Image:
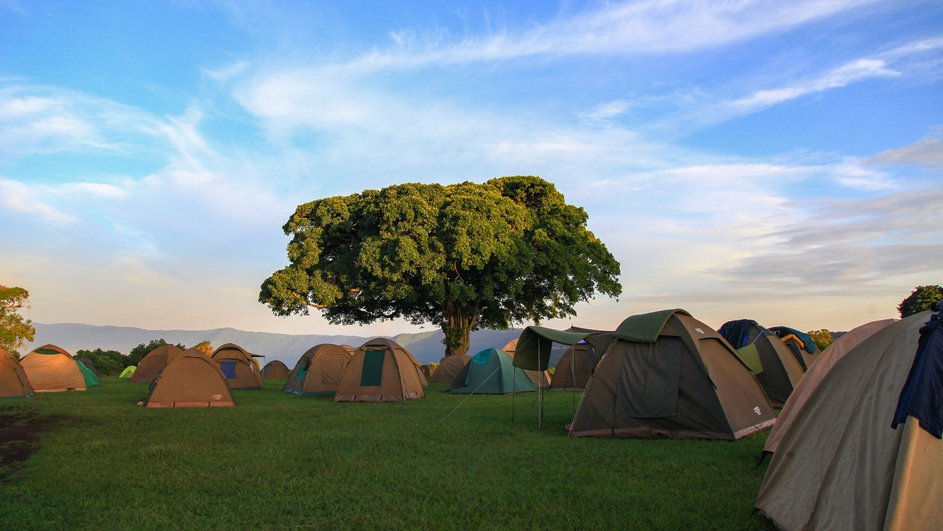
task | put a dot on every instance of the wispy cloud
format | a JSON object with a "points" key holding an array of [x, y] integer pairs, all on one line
{"points": [[623, 28], [927, 151], [26, 200]]}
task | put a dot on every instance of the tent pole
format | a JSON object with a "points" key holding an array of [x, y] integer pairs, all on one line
{"points": [[540, 401]]}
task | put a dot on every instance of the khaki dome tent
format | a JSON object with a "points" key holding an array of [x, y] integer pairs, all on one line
{"points": [[381, 371], [777, 370], [860, 456], [575, 368], [663, 374], [449, 368], [238, 366], [190, 379], [538, 378], [51, 369], [319, 370], [275, 370], [13, 379], [829, 357], [155, 361], [128, 371], [799, 343]]}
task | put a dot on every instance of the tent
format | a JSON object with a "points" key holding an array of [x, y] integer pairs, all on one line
{"points": [[190, 379], [866, 452], [90, 379], [90, 365], [51, 369], [13, 379], [829, 357], [155, 361], [538, 378], [238, 366], [663, 374], [776, 368], [449, 368], [318, 371], [575, 368], [491, 371], [128, 371], [799, 343], [381, 371], [275, 370]]}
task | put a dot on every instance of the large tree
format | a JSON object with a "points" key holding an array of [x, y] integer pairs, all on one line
{"points": [[15, 331], [462, 256], [920, 300]]}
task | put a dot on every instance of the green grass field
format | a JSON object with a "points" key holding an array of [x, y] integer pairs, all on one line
{"points": [[284, 461]]}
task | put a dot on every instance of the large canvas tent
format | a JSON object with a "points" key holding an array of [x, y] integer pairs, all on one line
{"points": [[155, 361], [13, 380], [381, 371], [663, 374], [449, 368], [275, 370], [799, 343], [575, 368], [190, 379], [864, 455], [319, 370], [776, 368], [238, 366], [51, 369], [814, 376], [491, 371]]}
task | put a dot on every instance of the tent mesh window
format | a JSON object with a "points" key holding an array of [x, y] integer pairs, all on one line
{"points": [[229, 368], [372, 373], [46, 351]]}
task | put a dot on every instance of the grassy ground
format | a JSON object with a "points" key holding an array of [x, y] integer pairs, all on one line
{"points": [[283, 461]]}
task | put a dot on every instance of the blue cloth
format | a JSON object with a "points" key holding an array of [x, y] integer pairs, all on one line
{"points": [[922, 395]]}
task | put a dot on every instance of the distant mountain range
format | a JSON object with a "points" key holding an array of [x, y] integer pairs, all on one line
{"points": [[425, 346]]}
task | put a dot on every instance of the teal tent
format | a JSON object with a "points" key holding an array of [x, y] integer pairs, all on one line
{"points": [[128, 371], [491, 371], [90, 379]]}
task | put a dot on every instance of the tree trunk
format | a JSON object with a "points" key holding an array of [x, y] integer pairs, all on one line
{"points": [[457, 328]]}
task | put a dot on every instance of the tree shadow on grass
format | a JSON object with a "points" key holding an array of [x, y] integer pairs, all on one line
{"points": [[19, 437]]}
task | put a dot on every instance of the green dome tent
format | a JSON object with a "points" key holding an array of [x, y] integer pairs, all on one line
{"points": [[90, 379], [128, 371], [491, 371]]}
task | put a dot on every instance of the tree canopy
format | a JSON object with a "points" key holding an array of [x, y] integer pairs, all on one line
{"points": [[920, 300], [108, 362], [822, 338], [15, 330], [462, 256]]}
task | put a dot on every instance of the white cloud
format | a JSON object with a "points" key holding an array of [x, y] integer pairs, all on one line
{"points": [[927, 151], [26, 200]]}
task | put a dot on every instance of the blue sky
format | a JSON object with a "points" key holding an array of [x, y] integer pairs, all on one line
{"points": [[781, 161]]}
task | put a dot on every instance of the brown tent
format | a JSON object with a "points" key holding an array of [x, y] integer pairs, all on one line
{"points": [[381, 371], [13, 379], [155, 361], [776, 368], [538, 378], [318, 371], [238, 366], [51, 369], [842, 465], [668, 374], [190, 379], [275, 370], [829, 357], [574, 369], [448, 369]]}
